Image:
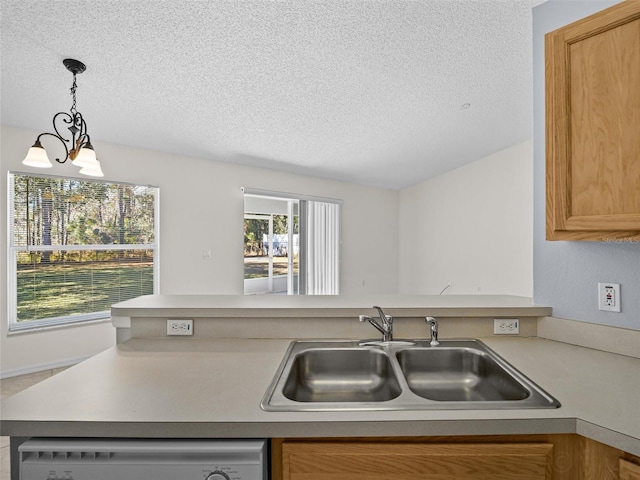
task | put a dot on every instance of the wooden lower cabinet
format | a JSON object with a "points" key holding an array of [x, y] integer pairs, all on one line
{"points": [[629, 470], [438, 461], [537, 457]]}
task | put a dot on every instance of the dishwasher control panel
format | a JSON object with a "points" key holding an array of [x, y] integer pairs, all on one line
{"points": [[116, 459]]}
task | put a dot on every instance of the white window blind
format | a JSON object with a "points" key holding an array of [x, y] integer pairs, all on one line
{"points": [[76, 247], [320, 248]]}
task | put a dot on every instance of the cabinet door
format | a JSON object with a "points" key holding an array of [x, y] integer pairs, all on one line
{"points": [[629, 471], [413, 461], [593, 127]]}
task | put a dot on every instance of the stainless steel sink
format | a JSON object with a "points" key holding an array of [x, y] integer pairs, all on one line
{"points": [[351, 375], [341, 375], [458, 375]]}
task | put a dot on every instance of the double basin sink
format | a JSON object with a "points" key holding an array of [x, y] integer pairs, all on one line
{"points": [[399, 375]]}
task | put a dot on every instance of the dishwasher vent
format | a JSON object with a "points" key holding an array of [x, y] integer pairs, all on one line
{"points": [[55, 456]]}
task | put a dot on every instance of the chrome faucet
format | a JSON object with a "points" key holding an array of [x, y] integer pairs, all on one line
{"points": [[433, 329], [385, 327]]}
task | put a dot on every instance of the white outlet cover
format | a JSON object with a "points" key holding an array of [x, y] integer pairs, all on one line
{"points": [[179, 326], [609, 297], [506, 326]]}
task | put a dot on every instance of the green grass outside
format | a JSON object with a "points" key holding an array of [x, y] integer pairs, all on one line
{"points": [[258, 267], [57, 290]]}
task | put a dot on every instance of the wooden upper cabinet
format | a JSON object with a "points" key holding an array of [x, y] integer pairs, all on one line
{"points": [[592, 75]]}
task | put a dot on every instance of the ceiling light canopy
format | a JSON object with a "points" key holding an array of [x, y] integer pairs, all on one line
{"points": [[81, 152]]}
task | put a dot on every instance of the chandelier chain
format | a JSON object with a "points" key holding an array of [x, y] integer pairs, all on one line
{"points": [[73, 93]]}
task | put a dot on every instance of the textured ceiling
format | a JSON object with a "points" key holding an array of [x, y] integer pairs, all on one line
{"points": [[366, 91]]}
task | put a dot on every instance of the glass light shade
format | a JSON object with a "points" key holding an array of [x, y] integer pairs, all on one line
{"points": [[37, 157], [86, 157], [92, 170]]}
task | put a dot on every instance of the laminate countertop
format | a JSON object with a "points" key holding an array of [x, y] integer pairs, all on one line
{"points": [[325, 306], [176, 387]]}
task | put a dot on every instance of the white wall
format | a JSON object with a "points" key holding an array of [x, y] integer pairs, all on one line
{"points": [[471, 227], [201, 207]]}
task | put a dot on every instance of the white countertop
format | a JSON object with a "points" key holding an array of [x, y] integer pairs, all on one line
{"points": [[175, 387], [288, 306]]}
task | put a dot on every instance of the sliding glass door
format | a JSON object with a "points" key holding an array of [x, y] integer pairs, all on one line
{"points": [[271, 250], [291, 244]]}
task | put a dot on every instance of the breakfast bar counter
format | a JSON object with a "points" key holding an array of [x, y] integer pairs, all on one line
{"points": [[212, 388]]}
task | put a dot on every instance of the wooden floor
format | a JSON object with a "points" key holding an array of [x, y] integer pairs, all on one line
{"points": [[11, 386]]}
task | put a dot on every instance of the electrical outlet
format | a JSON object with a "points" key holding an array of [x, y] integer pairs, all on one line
{"points": [[179, 326], [506, 326], [609, 297]]}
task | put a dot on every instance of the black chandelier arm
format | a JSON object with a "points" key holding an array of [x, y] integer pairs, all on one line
{"points": [[62, 140], [78, 129], [75, 121]]}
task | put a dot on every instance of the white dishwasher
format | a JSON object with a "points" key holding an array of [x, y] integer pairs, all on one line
{"points": [[131, 459]]}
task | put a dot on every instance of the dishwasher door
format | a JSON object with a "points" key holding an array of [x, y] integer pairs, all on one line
{"points": [[121, 459]]}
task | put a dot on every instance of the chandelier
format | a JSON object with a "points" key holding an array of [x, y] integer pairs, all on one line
{"points": [[78, 148]]}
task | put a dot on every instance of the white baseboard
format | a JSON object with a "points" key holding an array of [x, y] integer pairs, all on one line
{"points": [[622, 341], [67, 362]]}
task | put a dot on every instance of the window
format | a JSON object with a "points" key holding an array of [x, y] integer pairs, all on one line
{"points": [[291, 244], [76, 247]]}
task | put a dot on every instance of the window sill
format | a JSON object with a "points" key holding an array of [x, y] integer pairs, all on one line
{"points": [[39, 328]]}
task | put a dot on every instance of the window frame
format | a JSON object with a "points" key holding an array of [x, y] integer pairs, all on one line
{"points": [[12, 251]]}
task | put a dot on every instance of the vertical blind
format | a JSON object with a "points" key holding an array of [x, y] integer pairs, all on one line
{"points": [[320, 248], [77, 247]]}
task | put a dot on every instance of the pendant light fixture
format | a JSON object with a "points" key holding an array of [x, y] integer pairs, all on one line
{"points": [[79, 151]]}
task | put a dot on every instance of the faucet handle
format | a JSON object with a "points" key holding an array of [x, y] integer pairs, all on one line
{"points": [[386, 319]]}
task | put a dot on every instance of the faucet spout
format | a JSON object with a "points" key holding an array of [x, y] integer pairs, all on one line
{"points": [[372, 321]]}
